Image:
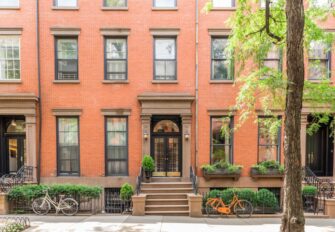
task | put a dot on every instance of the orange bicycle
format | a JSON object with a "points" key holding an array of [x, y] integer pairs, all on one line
{"points": [[242, 208]]}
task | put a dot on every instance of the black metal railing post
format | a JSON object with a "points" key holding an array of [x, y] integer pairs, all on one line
{"points": [[194, 180]]}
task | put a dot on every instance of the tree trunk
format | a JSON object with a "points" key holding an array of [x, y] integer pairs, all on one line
{"points": [[293, 218]]}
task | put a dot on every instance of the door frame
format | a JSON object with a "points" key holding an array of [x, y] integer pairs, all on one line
{"points": [[176, 119]]}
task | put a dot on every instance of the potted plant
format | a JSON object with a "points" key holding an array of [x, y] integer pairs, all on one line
{"points": [[126, 192], [267, 169], [309, 193], [148, 165], [221, 169]]}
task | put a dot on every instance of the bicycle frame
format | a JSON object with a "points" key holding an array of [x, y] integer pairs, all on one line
{"points": [[47, 198], [218, 205]]}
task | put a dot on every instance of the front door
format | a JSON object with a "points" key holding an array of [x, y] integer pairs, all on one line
{"points": [[320, 151], [166, 147], [15, 152]]}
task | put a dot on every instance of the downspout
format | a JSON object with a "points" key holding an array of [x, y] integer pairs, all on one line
{"points": [[196, 84], [39, 93]]}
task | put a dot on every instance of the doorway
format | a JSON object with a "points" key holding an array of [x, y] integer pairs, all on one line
{"points": [[320, 151], [166, 146]]}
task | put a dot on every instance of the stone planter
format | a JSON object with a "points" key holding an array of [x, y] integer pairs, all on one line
{"points": [[221, 174], [272, 173]]}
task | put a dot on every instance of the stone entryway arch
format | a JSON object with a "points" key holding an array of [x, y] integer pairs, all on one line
{"points": [[153, 104]]}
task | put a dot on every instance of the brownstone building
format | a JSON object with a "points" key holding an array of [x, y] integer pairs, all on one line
{"points": [[88, 87]]}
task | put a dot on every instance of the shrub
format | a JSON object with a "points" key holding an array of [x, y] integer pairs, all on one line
{"points": [[265, 198], [247, 194], [29, 192], [263, 167], [126, 192], [230, 168], [13, 227], [214, 193], [148, 163], [309, 190], [208, 168]]}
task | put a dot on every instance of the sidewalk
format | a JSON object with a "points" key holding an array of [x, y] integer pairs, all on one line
{"points": [[166, 224]]}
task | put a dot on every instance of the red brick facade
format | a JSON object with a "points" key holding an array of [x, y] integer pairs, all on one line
{"points": [[91, 94]]}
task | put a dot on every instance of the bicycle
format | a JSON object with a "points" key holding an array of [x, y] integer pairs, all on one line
{"points": [[42, 205], [242, 208]]}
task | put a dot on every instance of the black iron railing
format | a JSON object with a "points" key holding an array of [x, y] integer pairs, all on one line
{"points": [[139, 181], [194, 180], [23, 175]]}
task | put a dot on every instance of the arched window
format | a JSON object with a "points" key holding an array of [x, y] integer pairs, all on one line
{"points": [[166, 126], [16, 126]]}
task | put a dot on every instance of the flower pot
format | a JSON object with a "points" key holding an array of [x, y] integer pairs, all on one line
{"points": [[147, 176]]}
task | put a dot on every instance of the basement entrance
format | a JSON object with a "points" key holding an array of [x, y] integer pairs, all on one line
{"points": [[166, 146]]}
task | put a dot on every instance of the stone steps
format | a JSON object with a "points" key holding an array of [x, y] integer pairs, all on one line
{"points": [[167, 198]]}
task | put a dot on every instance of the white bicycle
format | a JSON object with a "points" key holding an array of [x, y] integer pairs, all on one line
{"points": [[42, 205]]}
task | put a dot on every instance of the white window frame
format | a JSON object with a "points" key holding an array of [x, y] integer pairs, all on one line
{"points": [[154, 5], [19, 38], [16, 5], [56, 5]]}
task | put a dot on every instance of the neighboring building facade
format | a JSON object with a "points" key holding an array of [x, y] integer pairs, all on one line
{"points": [[120, 79]]}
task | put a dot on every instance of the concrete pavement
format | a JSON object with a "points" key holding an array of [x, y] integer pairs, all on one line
{"points": [[117, 223]]}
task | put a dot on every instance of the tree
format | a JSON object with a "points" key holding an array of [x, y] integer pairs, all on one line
{"points": [[285, 26]]}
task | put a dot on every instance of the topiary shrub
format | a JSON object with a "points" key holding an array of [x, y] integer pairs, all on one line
{"points": [[265, 198], [126, 192], [247, 194], [148, 163]]}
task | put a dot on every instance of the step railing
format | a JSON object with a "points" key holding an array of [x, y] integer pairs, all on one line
{"points": [[23, 175], [139, 181], [194, 180]]}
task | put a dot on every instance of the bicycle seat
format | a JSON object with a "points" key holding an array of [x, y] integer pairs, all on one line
{"points": [[61, 195]]}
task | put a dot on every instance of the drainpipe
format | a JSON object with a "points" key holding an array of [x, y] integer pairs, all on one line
{"points": [[39, 92], [196, 84]]}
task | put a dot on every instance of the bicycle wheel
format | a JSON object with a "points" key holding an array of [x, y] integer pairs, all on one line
{"points": [[69, 206], [210, 211], [243, 209], [40, 206]]}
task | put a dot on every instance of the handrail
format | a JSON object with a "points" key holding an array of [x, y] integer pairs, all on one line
{"points": [[323, 185], [194, 180], [23, 175], [139, 181]]}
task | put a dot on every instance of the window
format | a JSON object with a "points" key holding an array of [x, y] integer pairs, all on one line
{"points": [[9, 58], [222, 63], [223, 3], [116, 59], [221, 139], [318, 61], [273, 60], [165, 3], [65, 3], [269, 138], [9, 3], [321, 3], [66, 59], [116, 146], [115, 3], [68, 145], [272, 2], [165, 59]]}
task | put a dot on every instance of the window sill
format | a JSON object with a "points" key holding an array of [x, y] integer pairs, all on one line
{"points": [[64, 8], [320, 81], [164, 8], [115, 82], [10, 81], [223, 9], [114, 8], [164, 82], [10, 8], [221, 81], [66, 82]]}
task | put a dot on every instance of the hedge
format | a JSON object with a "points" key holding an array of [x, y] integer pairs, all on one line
{"points": [[29, 192]]}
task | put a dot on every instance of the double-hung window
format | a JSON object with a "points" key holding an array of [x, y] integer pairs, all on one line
{"points": [[223, 3], [115, 3], [165, 64], [116, 58], [318, 61], [222, 62], [9, 3], [68, 145], [269, 138], [66, 3], [221, 139], [116, 146], [165, 3], [66, 58], [9, 58], [272, 61]]}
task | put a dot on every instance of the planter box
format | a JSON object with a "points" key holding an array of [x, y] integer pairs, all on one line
{"points": [[272, 173], [220, 174]]}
